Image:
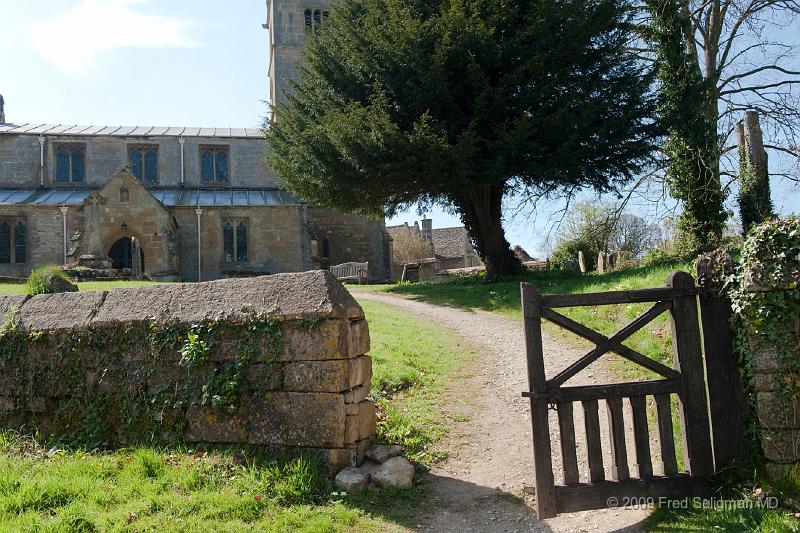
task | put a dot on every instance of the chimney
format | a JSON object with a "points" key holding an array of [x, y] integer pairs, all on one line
{"points": [[427, 229], [2, 110]]}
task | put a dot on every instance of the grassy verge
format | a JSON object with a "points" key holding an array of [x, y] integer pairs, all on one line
{"points": [[19, 288], [183, 489]]}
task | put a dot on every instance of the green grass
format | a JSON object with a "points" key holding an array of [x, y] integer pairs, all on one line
{"points": [[19, 288], [413, 362]]}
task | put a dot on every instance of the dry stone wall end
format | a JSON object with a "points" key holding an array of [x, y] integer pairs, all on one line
{"points": [[295, 345]]}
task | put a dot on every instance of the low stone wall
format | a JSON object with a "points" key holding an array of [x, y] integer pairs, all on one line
{"points": [[276, 362]]}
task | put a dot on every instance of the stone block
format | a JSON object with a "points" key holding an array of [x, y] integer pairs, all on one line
{"points": [[781, 445], [357, 394], [766, 360], [62, 311], [297, 419], [11, 302], [317, 376], [265, 377], [351, 428], [360, 371], [775, 412], [205, 424], [765, 382], [359, 338], [367, 420], [314, 343]]}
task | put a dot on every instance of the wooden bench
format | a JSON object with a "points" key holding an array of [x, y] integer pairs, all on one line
{"points": [[351, 272]]}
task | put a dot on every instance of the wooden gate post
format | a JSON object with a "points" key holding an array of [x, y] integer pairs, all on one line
{"points": [[540, 424], [727, 401], [689, 361]]}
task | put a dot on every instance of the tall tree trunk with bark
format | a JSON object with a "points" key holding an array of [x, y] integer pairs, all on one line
{"points": [[481, 212]]}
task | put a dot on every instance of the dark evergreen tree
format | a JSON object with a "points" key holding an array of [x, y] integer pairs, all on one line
{"points": [[461, 104]]}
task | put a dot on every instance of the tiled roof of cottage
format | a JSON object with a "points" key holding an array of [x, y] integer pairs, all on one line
{"points": [[449, 242], [35, 128]]}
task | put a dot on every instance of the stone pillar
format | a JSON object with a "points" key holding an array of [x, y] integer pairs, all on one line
{"points": [[136, 259]]}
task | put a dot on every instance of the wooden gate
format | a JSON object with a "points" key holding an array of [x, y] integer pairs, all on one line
{"points": [[686, 380]]}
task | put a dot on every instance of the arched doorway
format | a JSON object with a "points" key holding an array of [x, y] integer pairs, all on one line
{"points": [[120, 254]]}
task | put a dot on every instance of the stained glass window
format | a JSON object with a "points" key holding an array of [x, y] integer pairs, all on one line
{"points": [[70, 163], [144, 163], [234, 241], [5, 243], [241, 242], [62, 165], [20, 242], [214, 164], [227, 242]]}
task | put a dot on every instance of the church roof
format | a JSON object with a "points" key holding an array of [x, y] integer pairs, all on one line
{"points": [[187, 197], [33, 128]]}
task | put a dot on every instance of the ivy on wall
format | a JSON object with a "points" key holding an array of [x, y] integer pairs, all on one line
{"points": [[765, 296], [132, 383]]}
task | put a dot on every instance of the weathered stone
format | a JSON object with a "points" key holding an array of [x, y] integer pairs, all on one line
{"points": [[765, 382], [360, 370], [359, 338], [775, 412], [358, 450], [352, 481], [12, 302], [380, 453], [781, 445], [367, 420], [766, 360], [395, 472], [206, 424], [582, 263], [298, 419], [325, 340], [265, 376], [357, 394], [601, 263], [66, 310], [59, 283], [317, 376]]}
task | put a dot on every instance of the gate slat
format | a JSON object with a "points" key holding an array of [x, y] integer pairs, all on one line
{"points": [[641, 436], [569, 456], [665, 435], [594, 447], [616, 432], [537, 381]]}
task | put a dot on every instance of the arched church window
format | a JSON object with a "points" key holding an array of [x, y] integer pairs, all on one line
{"points": [[214, 164], [227, 242], [5, 242], [70, 163], [144, 162], [20, 243], [317, 21], [309, 24]]}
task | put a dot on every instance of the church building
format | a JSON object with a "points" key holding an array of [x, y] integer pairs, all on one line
{"points": [[196, 203]]}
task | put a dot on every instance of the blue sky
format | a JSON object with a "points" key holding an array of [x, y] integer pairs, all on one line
{"points": [[172, 63]]}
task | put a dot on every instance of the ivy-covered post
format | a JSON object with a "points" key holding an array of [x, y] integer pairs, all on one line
{"points": [[726, 397], [766, 301]]}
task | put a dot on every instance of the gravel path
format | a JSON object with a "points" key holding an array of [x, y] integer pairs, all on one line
{"points": [[480, 486]]}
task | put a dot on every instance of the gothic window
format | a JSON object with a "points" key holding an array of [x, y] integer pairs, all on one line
{"points": [[326, 248], [234, 241], [13, 241], [314, 20], [144, 162], [70, 163], [214, 166]]}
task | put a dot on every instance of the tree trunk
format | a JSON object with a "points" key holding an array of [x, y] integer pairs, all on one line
{"points": [[482, 214]]}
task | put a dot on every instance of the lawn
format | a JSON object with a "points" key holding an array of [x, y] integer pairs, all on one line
{"points": [[212, 489], [19, 288]]}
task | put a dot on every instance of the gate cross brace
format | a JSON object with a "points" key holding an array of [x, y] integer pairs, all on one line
{"points": [[622, 350], [609, 343]]}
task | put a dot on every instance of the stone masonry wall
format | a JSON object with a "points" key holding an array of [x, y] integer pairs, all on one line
{"points": [[277, 362]]}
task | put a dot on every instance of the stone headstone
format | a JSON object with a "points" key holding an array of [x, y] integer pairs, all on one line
{"points": [[582, 262], [136, 259], [601, 262]]}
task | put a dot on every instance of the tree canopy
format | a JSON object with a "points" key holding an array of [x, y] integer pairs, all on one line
{"points": [[461, 104]]}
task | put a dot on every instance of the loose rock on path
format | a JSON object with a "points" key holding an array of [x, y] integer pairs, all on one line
{"points": [[480, 486]]}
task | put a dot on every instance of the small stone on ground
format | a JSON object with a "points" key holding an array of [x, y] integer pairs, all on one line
{"points": [[382, 453], [352, 481], [395, 472]]}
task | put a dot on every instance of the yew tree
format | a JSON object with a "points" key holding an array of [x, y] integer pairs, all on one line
{"points": [[463, 104]]}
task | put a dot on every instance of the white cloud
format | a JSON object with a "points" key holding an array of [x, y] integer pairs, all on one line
{"points": [[76, 40]]}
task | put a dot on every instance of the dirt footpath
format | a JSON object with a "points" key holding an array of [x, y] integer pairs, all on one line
{"points": [[480, 486]]}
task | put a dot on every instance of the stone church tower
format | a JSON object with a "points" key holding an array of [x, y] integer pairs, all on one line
{"points": [[289, 23]]}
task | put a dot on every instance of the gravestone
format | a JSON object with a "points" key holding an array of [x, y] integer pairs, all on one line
{"points": [[581, 262], [601, 262]]}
